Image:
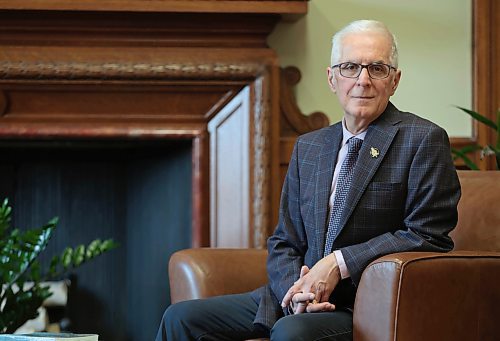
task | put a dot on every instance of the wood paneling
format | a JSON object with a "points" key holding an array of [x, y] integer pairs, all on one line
{"points": [[230, 174], [84, 102]]}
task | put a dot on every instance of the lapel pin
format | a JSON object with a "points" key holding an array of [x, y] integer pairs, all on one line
{"points": [[374, 152]]}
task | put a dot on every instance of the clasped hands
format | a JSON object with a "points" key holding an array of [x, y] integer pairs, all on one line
{"points": [[310, 293]]}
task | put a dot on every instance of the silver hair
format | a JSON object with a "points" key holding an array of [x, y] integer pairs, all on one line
{"points": [[360, 26]]}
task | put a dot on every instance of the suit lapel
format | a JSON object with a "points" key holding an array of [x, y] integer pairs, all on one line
{"points": [[324, 175], [379, 136]]}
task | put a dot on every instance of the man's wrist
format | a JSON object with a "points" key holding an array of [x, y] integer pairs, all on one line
{"points": [[344, 272]]}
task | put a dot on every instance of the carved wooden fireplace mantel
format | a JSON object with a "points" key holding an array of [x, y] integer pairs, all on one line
{"points": [[135, 70]]}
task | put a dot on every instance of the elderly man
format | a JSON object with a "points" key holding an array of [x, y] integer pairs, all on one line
{"points": [[380, 181]]}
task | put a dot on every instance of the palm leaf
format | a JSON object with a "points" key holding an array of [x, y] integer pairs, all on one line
{"points": [[470, 149], [480, 118], [468, 162]]}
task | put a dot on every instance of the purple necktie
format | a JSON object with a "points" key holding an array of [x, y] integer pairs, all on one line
{"points": [[343, 184]]}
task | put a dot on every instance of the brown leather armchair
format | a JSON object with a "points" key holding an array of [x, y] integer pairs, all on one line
{"points": [[403, 296]]}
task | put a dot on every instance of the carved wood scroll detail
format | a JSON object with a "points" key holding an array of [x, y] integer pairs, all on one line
{"points": [[292, 121], [111, 70], [300, 123]]}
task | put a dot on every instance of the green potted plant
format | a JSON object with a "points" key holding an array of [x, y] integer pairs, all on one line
{"points": [[21, 275], [486, 151]]}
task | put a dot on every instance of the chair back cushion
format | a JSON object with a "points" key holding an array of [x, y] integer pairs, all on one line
{"points": [[206, 272], [478, 227]]}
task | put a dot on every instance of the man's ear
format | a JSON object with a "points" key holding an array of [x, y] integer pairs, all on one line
{"points": [[395, 81], [331, 81]]}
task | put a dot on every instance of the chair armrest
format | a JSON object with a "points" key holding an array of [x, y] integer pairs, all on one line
{"points": [[205, 272], [423, 296]]}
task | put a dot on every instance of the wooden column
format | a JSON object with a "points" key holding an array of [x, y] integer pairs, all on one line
{"points": [[486, 77]]}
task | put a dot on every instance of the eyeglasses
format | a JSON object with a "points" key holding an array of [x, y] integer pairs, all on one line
{"points": [[375, 70]]}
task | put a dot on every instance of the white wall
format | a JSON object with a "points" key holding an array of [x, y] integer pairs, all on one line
{"points": [[435, 39]]}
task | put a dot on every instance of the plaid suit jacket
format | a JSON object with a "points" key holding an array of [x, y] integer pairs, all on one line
{"points": [[404, 199]]}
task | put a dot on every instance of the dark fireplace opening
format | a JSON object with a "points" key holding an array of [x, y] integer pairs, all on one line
{"points": [[137, 192]]}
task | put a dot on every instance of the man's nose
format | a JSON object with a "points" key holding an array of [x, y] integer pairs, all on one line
{"points": [[364, 77]]}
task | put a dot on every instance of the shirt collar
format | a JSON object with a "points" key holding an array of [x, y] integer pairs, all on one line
{"points": [[346, 134]]}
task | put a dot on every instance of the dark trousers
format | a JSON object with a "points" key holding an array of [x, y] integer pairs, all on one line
{"points": [[231, 318]]}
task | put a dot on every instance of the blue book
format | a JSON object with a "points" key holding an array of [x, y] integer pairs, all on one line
{"points": [[49, 337]]}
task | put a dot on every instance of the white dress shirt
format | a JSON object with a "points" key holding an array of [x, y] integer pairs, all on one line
{"points": [[344, 272]]}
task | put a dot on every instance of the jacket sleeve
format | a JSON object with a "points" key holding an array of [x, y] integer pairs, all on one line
{"points": [[430, 210], [288, 245]]}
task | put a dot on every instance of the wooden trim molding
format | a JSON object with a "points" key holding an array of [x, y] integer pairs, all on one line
{"points": [[200, 183], [486, 77], [284, 7], [68, 70], [262, 175]]}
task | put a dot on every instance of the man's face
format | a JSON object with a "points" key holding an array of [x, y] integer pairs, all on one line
{"points": [[364, 98]]}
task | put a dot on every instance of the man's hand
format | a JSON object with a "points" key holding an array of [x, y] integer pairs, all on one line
{"points": [[300, 300], [311, 291]]}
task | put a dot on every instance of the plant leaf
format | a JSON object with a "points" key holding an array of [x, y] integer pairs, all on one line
{"points": [[477, 116], [470, 149], [18, 265], [108, 244], [78, 255], [66, 257], [468, 162], [5, 211], [21, 250], [22, 305], [54, 262]]}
